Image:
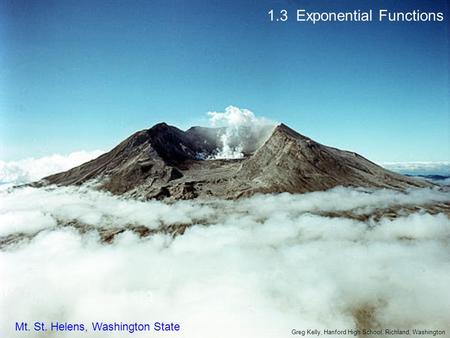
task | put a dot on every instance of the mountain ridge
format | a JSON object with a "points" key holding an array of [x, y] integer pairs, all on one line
{"points": [[164, 162]]}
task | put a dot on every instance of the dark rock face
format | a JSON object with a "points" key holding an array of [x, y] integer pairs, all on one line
{"points": [[165, 162]]}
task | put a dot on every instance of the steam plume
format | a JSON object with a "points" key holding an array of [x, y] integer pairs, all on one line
{"points": [[243, 134]]}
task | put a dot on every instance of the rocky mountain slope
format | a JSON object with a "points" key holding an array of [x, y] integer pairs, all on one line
{"points": [[164, 162]]}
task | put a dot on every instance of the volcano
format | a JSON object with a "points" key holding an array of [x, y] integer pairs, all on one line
{"points": [[164, 162]]}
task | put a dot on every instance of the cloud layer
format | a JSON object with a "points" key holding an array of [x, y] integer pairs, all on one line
{"points": [[255, 267], [260, 266], [32, 169]]}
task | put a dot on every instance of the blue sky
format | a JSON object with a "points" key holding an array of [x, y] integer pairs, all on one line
{"points": [[86, 74]]}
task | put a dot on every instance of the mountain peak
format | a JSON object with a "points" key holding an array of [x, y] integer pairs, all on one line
{"points": [[161, 126], [285, 130]]}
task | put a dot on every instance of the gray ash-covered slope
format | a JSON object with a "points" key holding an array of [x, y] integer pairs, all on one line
{"points": [[166, 162]]}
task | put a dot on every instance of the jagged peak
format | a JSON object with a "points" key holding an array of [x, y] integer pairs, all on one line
{"points": [[163, 127], [160, 125], [283, 129]]}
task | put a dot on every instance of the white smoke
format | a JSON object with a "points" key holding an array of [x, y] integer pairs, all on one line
{"points": [[260, 266], [33, 169], [243, 133]]}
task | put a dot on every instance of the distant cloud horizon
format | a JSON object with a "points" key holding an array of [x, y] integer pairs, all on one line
{"points": [[32, 169], [419, 167]]}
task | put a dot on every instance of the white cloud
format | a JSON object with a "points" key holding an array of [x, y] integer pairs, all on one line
{"points": [[32, 169], [255, 267], [244, 132], [89, 207]]}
